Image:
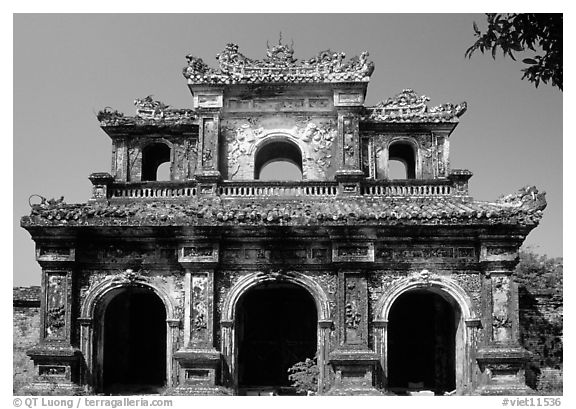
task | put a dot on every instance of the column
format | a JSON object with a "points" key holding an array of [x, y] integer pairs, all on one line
{"points": [[501, 357], [199, 361], [208, 103], [348, 103], [354, 363], [56, 361]]}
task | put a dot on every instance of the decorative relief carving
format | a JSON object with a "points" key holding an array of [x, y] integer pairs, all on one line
{"points": [[354, 307], [279, 65], [320, 137], [197, 251], [52, 370], [276, 255], [349, 143], [499, 251], [52, 251], [129, 276], [352, 251], [423, 276], [55, 327], [407, 106], [199, 307], [319, 102], [501, 321], [209, 136], [425, 253], [353, 316], [317, 137]]}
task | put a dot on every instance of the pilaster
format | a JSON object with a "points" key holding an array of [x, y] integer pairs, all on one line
{"points": [[199, 362], [56, 361], [208, 104], [354, 363], [502, 359]]}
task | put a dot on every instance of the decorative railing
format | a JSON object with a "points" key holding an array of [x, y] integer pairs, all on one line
{"points": [[407, 188], [271, 189], [153, 190], [284, 189]]}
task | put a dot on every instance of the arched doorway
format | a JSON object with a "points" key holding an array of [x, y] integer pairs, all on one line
{"points": [[422, 342], [276, 327], [278, 159], [131, 350], [156, 162]]}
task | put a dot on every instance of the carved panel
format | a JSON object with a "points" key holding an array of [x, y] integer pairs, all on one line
{"points": [[355, 310], [276, 255], [208, 101], [499, 251], [409, 254], [353, 252], [55, 254], [349, 141], [56, 304], [199, 317], [210, 135], [348, 98], [57, 371], [501, 320], [199, 253], [319, 102]]}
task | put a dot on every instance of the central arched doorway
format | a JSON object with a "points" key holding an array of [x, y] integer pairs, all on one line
{"points": [[132, 342], [422, 341], [276, 327]]}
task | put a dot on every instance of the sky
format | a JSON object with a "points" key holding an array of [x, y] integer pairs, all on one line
{"points": [[67, 67]]}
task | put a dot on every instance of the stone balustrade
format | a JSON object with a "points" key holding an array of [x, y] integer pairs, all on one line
{"points": [[284, 189], [153, 190], [263, 189], [401, 189]]}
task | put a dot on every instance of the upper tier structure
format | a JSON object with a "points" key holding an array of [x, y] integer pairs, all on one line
{"points": [[308, 114]]}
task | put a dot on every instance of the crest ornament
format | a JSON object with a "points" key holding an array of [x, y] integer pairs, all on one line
{"points": [[424, 277]]}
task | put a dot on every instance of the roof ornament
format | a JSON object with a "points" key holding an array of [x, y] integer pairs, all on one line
{"points": [[279, 65], [280, 54], [407, 106], [527, 197], [148, 108]]}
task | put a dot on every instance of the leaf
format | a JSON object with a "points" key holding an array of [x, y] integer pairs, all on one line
{"points": [[475, 28], [529, 61]]}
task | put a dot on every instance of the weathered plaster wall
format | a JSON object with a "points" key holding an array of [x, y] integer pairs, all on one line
{"points": [[541, 332], [315, 136], [26, 327]]}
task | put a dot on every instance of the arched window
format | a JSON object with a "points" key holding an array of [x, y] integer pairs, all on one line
{"points": [[278, 160], [153, 156], [401, 161]]}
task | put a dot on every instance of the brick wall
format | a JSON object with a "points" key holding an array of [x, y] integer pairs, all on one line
{"points": [[26, 324], [541, 332]]}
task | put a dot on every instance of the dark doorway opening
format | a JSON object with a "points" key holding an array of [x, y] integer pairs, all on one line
{"points": [[154, 156], [134, 343], [277, 327], [401, 161], [422, 343]]}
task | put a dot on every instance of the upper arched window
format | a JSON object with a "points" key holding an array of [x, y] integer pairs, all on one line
{"points": [[278, 160], [154, 156], [401, 161]]}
